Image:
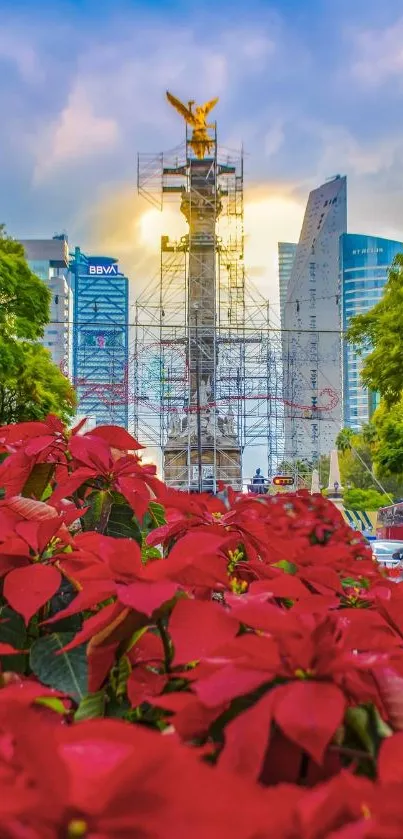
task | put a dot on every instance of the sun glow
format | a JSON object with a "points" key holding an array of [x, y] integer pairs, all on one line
{"points": [[153, 224], [268, 221]]}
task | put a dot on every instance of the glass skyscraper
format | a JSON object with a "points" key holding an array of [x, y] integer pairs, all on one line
{"points": [[100, 338], [364, 265]]}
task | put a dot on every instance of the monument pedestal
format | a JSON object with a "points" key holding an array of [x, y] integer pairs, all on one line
{"points": [[219, 453]]}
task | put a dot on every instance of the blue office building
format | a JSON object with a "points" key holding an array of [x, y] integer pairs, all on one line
{"points": [[100, 338], [364, 266]]}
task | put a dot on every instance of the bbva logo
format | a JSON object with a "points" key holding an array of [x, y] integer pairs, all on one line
{"points": [[103, 269]]}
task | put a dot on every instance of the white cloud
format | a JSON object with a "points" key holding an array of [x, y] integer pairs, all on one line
{"points": [[258, 47], [15, 48], [77, 133], [342, 152], [378, 55], [274, 138], [118, 88]]}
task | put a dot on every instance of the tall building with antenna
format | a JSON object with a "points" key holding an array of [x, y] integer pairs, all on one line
{"points": [[311, 339]]}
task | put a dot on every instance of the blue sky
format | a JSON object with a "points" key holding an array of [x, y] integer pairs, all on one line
{"points": [[311, 87]]}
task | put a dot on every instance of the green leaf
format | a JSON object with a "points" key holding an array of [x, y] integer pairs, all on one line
{"points": [[358, 720], [120, 675], [92, 705], [287, 566], [122, 523], [381, 727], [154, 517], [148, 551], [13, 631], [64, 671], [94, 503], [136, 635], [157, 512], [38, 481], [348, 582], [52, 702]]}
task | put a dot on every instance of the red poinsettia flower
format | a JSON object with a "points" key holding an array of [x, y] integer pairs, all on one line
{"points": [[110, 779], [36, 535], [319, 674], [94, 459]]}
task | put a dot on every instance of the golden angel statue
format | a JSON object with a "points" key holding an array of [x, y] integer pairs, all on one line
{"points": [[200, 142]]}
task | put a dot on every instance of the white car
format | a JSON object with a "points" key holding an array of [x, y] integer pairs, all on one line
{"points": [[388, 553]]}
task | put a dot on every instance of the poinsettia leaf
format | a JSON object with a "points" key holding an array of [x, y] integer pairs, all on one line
{"points": [[148, 552], [390, 685], [52, 702], [117, 438], [198, 627], [27, 589], [94, 506], [53, 666], [288, 567], [143, 684], [38, 480], [7, 649], [146, 597], [13, 632], [309, 713], [92, 705], [154, 517], [122, 523], [359, 720], [157, 511], [30, 508], [121, 674], [247, 739], [390, 765]]}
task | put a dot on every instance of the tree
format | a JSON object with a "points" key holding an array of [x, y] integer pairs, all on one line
{"points": [[389, 447], [381, 331], [359, 464], [364, 499], [344, 439], [31, 385], [304, 469]]}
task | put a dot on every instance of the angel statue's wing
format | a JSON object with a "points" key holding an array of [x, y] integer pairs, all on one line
{"points": [[183, 110], [208, 106]]}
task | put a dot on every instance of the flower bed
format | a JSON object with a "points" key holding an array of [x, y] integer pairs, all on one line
{"points": [[175, 666]]}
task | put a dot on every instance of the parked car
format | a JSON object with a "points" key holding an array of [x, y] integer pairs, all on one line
{"points": [[388, 553]]}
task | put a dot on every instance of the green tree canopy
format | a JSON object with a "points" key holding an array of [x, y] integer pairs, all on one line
{"points": [[388, 450], [31, 385], [360, 466], [364, 499], [381, 331]]}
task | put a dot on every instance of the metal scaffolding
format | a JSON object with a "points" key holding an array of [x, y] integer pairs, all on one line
{"points": [[183, 334]]}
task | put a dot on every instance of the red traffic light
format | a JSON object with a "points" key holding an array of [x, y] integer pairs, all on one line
{"points": [[283, 481]]}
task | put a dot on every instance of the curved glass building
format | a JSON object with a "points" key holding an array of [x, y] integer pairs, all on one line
{"points": [[364, 266]]}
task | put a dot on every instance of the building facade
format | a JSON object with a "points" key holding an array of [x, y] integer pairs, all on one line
{"points": [[311, 337], [286, 257], [49, 260], [100, 338], [364, 266]]}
